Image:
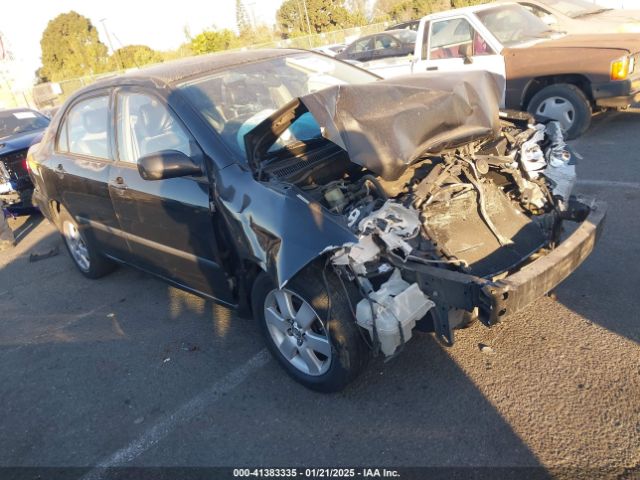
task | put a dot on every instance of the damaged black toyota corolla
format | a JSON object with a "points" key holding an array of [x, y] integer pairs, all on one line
{"points": [[343, 210]]}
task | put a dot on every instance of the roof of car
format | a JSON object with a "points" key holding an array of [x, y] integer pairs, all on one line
{"points": [[397, 31], [177, 71]]}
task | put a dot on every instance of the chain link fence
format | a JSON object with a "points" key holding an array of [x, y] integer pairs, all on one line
{"points": [[50, 95]]}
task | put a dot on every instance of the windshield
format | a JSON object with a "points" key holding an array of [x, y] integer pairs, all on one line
{"points": [[14, 122], [575, 8], [513, 24], [235, 101]]}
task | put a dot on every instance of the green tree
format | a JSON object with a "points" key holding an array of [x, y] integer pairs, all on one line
{"points": [[402, 10], [323, 15], [257, 35], [71, 48], [411, 9], [133, 56], [242, 19], [213, 41], [466, 3]]}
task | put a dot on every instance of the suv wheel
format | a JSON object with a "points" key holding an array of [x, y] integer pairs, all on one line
{"points": [[565, 103], [85, 256], [312, 334]]}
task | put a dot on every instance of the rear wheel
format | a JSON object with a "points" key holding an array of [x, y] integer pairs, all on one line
{"points": [[312, 334], [565, 103], [85, 256]]}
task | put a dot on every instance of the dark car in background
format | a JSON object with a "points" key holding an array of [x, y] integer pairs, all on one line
{"points": [[410, 25], [20, 128], [262, 179], [391, 43]]}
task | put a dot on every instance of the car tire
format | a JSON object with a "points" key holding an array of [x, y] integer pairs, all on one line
{"points": [[89, 261], [565, 103], [324, 353]]}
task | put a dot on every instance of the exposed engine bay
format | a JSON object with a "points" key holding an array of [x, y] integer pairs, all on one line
{"points": [[485, 209], [448, 198]]}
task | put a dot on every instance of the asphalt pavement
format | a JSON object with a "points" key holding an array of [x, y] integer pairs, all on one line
{"points": [[128, 371]]}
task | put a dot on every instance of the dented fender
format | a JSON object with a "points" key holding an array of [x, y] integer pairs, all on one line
{"points": [[275, 226]]}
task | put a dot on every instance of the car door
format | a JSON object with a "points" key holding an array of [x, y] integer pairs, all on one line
{"points": [[79, 170], [385, 46], [361, 50], [168, 223], [445, 43]]}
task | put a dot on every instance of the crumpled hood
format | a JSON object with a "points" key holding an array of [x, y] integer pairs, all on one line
{"points": [[386, 125]]}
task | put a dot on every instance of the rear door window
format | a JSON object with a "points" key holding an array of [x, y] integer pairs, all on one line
{"points": [[363, 45], [85, 130]]}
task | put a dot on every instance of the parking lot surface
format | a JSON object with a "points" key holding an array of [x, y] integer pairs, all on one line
{"points": [[128, 371]]}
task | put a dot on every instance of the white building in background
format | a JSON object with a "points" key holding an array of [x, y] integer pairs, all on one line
{"points": [[15, 82]]}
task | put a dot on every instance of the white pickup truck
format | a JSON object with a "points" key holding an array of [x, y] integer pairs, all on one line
{"points": [[548, 73]]}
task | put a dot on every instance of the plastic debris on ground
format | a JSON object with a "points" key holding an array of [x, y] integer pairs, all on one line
{"points": [[35, 257]]}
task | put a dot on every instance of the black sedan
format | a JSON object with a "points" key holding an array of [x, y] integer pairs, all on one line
{"points": [[20, 128], [391, 43], [342, 210]]}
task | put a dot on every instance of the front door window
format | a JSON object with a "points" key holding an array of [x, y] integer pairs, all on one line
{"points": [[147, 126]]}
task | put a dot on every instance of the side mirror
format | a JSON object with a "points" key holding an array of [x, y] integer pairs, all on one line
{"points": [[466, 52], [167, 164]]}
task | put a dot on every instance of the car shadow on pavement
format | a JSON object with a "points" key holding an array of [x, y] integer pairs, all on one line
{"points": [[602, 288], [90, 366]]}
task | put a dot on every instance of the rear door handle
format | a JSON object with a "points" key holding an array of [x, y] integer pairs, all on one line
{"points": [[118, 183], [432, 69]]}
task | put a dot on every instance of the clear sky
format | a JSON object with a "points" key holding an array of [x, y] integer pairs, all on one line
{"points": [[159, 24]]}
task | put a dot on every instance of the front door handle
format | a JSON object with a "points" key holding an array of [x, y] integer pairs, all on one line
{"points": [[432, 69], [118, 183]]}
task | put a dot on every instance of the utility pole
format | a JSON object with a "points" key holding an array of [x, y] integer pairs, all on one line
{"points": [[113, 51], [306, 14]]}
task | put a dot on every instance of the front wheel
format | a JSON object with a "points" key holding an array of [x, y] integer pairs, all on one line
{"points": [[311, 332], [565, 103], [85, 256]]}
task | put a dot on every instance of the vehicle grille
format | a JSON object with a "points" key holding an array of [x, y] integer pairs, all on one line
{"points": [[14, 164]]}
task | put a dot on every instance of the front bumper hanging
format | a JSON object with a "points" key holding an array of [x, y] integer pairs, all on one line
{"points": [[497, 299]]}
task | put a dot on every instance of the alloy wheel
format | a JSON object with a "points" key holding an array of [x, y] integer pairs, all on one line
{"points": [[298, 332], [77, 246]]}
